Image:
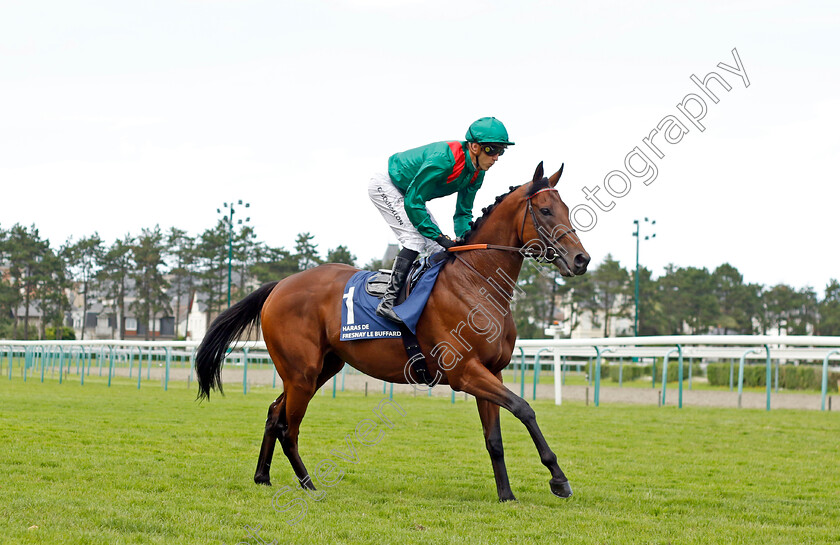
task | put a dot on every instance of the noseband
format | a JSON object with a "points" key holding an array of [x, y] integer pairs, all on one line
{"points": [[550, 253], [546, 240]]}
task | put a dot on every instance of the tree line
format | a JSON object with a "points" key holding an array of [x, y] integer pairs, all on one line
{"points": [[142, 273], [145, 273], [683, 300]]}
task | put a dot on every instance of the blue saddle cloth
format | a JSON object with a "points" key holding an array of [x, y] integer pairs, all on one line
{"points": [[358, 309]]}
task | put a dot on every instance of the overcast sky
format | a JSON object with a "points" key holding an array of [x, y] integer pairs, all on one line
{"points": [[116, 116]]}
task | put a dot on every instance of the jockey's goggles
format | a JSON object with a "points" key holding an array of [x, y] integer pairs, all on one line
{"points": [[493, 149]]}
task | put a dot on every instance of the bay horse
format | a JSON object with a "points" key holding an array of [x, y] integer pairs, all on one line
{"points": [[466, 330]]}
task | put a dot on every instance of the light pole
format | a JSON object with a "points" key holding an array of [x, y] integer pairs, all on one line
{"points": [[227, 219], [647, 237]]}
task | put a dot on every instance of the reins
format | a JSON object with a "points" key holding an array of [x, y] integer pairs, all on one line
{"points": [[528, 253], [547, 244]]}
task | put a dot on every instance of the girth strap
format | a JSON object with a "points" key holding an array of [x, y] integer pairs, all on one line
{"points": [[416, 356]]}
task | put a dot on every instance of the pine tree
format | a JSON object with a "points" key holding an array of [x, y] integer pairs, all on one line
{"points": [[83, 261]]}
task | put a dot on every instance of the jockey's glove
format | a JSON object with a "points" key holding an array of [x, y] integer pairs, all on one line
{"points": [[445, 241]]}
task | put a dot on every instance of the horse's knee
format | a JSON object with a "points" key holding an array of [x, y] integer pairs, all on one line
{"points": [[494, 447]]}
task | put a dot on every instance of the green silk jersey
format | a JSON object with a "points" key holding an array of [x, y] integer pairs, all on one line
{"points": [[432, 171]]}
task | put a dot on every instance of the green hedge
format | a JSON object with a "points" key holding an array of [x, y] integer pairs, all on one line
{"points": [[635, 372], [791, 377], [630, 372]]}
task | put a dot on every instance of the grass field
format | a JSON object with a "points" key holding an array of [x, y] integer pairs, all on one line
{"points": [[96, 465]]}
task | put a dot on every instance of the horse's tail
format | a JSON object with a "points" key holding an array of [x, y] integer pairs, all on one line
{"points": [[223, 331]]}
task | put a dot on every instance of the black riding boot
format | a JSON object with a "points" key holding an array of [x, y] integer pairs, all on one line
{"points": [[399, 274]]}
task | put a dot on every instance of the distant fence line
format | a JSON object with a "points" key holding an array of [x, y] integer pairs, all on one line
{"points": [[799, 348], [38, 356]]}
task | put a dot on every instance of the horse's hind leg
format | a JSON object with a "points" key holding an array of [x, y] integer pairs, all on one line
{"points": [[298, 396], [275, 424]]}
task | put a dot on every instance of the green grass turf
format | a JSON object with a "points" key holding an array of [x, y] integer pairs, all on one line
{"points": [[96, 465]]}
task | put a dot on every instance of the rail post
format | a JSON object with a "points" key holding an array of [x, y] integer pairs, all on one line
{"points": [[554, 331], [599, 352], [82, 359], [665, 372], [537, 370], [741, 372], [110, 365], [769, 375], [565, 367], [43, 366], [139, 365], [149, 367], [168, 364], [825, 377], [60, 361], [680, 375]]}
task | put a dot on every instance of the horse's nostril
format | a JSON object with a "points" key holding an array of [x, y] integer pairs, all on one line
{"points": [[581, 261]]}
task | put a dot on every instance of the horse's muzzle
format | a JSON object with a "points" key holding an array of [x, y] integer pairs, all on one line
{"points": [[580, 262]]}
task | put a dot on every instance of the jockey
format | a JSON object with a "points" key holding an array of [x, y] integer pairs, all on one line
{"points": [[428, 172]]}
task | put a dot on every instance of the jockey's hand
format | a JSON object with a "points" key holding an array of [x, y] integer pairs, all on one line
{"points": [[445, 241]]}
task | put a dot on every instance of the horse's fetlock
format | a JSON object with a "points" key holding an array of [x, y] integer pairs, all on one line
{"points": [[548, 459]]}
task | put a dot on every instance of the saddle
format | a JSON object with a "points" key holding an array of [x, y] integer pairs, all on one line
{"points": [[378, 283], [376, 287]]}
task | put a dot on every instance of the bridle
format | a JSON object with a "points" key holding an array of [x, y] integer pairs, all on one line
{"points": [[546, 241]]}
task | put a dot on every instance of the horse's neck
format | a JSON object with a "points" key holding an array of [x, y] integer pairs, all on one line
{"points": [[501, 267]]}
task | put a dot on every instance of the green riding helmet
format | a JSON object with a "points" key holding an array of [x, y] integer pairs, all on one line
{"points": [[488, 130]]}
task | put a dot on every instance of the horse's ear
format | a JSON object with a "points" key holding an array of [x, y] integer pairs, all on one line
{"points": [[552, 181], [538, 174]]}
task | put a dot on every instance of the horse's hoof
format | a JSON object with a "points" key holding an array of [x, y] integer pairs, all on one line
{"points": [[561, 489], [262, 479], [508, 497]]}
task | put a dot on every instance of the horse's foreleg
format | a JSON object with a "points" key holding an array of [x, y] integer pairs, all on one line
{"points": [[489, 413], [477, 380], [275, 424]]}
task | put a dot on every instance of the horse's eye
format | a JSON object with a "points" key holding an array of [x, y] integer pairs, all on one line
{"points": [[545, 211]]}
